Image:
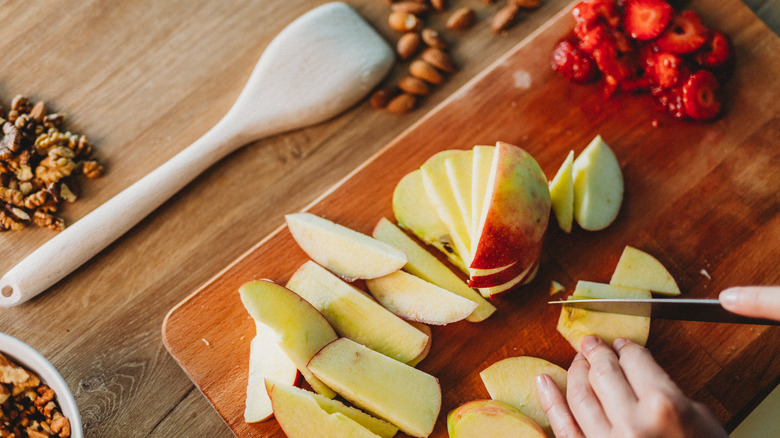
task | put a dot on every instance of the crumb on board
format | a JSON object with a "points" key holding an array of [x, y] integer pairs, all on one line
{"points": [[706, 274], [556, 287], [205, 342]]}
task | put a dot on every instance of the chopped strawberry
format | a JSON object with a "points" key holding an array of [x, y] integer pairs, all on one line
{"points": [[646, 19], [685, 34], [665, 70], [700, 96], [671, 101], [573, 63], [590, 13], [717, 52]]}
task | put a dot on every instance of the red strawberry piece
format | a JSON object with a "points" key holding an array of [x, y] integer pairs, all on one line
{"points": [[665, 69], [573, 63], [671, 101], [590, 13], [700, 96], [717, 52], [685, 34], [646, 19]]}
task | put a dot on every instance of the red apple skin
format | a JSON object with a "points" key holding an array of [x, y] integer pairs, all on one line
{"points": [[518, 214], [505, 276]]}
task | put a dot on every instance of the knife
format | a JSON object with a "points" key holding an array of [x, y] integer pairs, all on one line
{"points": [[708, 310]]}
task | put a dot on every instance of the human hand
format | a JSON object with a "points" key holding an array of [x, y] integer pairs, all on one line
{"points": [[754, 301], [622, 393]]}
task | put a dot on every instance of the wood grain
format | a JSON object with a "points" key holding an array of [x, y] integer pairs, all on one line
{"points": [[698, 196]]}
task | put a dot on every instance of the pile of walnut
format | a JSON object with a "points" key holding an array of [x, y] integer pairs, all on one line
{"points": [[27, 407], [39, 165], [430, 68]]}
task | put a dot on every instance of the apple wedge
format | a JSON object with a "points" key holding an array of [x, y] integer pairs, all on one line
{"points": [[639, 269], [490, 418], [304, 414], [427, 331], [266, 360], [414, 212], [598, 186], [482, 160], [355, 315], [343, 251], [522, 279], [424, 265], [513, 381], [575, 324], [302, 330], [562, 194], [413, 298], [391, 390], [458, 169]]}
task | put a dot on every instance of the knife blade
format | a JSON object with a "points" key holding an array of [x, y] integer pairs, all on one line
{"points": [[708, 310]]}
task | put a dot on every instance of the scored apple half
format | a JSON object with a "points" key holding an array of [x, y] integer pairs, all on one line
{"points": [[391, 390], [480, 173], [458, 169], [639, 269], [491, 418], [345, 252]]}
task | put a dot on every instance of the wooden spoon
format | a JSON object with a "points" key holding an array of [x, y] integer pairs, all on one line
{"points": [[321, 64]]}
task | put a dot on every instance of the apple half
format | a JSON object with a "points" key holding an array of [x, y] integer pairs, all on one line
{"points": [[598, 186], [387, 388], [562, 194], [639, 269], [345, 252], [491, 418]]}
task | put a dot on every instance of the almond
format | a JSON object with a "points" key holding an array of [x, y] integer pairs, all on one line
{"points": [[411, 7], [462, 19], [403, 21], [427, 72], [439, 59], [433, 38], [526, 4], [439, 5], [408, 45], [505, 18], [414, 85], [402, 103], [383, 96]]}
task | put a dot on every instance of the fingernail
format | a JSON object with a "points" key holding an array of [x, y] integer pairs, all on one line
{"points": [[729, 297], [619, 343], [588, 342], [542, 382]]}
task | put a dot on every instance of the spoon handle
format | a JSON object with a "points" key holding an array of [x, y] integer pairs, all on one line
{"points": [[82, 240]]}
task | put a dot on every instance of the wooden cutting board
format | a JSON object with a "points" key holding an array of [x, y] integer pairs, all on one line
{"points": [[702, 198]]}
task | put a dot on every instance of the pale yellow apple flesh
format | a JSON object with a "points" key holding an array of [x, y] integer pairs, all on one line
{"points": [[490, 418], [387, 388], [523, 278], [413, 298], [427, 330], [639, 269], [300, 415], [426, 266], [513, 381], [575, 324], [598, 186], [356, 316], [458, 170], [482, 161], [414, 212], [562, 194], [266, 360], [345, 252], [302, 330]]}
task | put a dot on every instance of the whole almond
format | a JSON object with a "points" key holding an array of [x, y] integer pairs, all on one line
{"points": [[526, 4], [383, 96], [439, 5], [402, 103], [414, 85], [421, 69], [403, 21], [462, 19], [433, 38], [439, 59], [408, 45], [505, 18], [411, 7]]}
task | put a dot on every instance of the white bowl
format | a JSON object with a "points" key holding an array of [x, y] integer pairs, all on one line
{"points": [[24, 355]]}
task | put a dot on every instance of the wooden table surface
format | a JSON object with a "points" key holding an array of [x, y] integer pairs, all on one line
{"points": [[143, 80]]}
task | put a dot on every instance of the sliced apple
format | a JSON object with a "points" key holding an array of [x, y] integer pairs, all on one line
{"points": [[391, 390], [513, 381], [302, 330], [522, 279], [424, 265], [639, 269], [355, 315], [266, 360], [490, 418], [598, 186], [458, 170], [414, 212], [343, 251], [562, 194], [482, 161], [427, 330], [575, 324], [413, 298], [304, 414]]}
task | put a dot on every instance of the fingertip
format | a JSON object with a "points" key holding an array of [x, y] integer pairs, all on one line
{"points": [[729, 297], [619, 343], [590, 342], [543, 382]]}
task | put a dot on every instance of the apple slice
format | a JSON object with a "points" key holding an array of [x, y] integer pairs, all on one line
{"points": [[513, 381], [490, 418], [639, 269], [598, 186], [414, 212], [413, 298], [575, 324], [391, 390], [515, 213], [427, 330], [355, 315], [458, 170], [522, 279], [302, 330], [344, 251], [562, 194], [424, 265], [266, 360], [482, 161], [304, 414]]}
